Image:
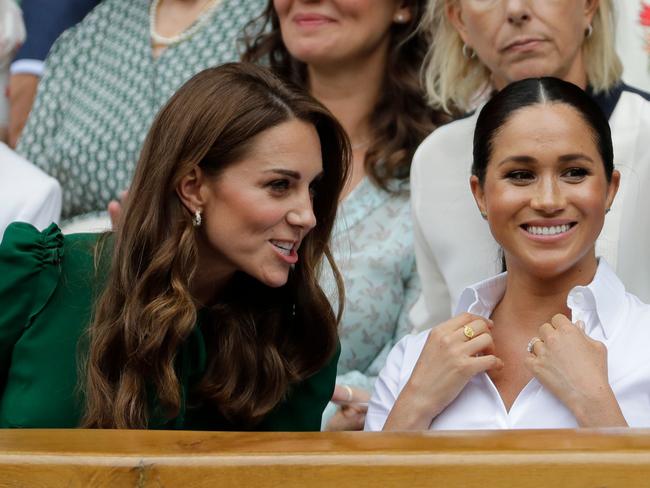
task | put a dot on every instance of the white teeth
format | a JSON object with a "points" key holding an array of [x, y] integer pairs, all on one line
{"points": [[283, 246], [547, 231]]}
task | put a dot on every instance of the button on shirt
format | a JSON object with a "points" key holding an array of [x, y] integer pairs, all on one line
{"points": [[611, 315]]}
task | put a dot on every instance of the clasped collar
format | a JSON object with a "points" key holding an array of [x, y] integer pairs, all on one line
{"points": [[605, 295], [483, 297]]}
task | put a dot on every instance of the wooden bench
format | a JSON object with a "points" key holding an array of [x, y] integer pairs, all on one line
{"points": [[549, 459]]}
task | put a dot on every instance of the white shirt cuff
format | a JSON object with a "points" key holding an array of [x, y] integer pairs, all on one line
{"points": [[27, 67]]}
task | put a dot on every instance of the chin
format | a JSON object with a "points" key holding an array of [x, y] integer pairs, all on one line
{"points": [[531, 69], [275, 280], [551, 268]]}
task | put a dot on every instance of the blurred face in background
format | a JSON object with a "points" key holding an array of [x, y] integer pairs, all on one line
{"points": [[334, 32], [518, 39]]}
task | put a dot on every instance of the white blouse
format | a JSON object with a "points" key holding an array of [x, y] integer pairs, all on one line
{"points": [[611, 315]]}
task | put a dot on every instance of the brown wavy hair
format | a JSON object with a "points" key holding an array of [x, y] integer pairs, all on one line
{"points": [[401, 119], [259, 339]]}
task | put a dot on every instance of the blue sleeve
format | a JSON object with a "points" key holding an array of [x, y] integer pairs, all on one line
{"points": [[45, 21]]}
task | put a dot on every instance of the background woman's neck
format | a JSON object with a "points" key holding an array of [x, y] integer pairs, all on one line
{"points": [[351, 91]]}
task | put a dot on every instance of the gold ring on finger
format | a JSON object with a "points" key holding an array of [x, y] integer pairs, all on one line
{"points": [[531, 344], [468, 331]]}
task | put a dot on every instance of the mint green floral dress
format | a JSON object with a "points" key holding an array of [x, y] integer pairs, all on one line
{"points": [[102, 89], [372, 245]]}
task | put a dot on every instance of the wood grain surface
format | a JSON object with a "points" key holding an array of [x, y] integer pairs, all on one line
{"points": [[109, 458]]}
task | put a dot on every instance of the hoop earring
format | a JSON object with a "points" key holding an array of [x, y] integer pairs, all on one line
{"points": [[196, 219], [468, 52], [589, 31]]}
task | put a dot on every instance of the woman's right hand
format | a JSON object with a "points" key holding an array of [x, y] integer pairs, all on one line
{"points": [[447, 362]]}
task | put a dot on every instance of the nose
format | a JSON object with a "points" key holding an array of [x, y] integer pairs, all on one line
{"points": [[548, 197], [302, 214], [517, 11]]}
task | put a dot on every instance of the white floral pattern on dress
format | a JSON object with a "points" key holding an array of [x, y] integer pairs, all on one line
{"points": [[372, 245]]}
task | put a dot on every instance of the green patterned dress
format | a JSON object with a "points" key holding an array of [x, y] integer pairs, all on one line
{"points": [[102, 89]]}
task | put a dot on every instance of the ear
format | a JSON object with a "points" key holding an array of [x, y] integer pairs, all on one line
{"points": [[613, 187], [479, 195], [403, 13], [191, 190], [454, 13], [591, 7]]}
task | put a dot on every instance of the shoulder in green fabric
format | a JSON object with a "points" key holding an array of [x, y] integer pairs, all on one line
{"points": [[48, 287], [48, 284]]}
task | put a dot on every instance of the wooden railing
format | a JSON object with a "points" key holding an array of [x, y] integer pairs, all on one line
{"points": [[549, 459]]}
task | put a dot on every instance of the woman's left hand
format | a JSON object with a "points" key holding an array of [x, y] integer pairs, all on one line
{"points": [[573, 366], [352, 407]]}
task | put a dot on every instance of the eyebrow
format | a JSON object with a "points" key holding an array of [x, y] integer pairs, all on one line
{"points": [[284, 172], [565, 158]]}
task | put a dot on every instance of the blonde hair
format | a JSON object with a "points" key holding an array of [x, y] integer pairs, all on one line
{"points": [[452, 80]]}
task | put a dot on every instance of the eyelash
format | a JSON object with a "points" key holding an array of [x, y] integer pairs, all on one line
{"points": [[516, 176], [279, 187], [582, 172], [522, 176]]}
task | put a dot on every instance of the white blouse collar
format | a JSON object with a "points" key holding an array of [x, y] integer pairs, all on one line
{"points": [[605, 295]]}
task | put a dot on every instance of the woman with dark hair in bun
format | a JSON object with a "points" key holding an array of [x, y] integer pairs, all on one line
{"points": [[556, 341]]}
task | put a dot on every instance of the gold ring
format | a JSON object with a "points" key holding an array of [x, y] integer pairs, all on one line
{"points": [[531, 344], [468, 331]]}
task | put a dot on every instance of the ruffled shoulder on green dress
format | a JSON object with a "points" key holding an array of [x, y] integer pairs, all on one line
{"points": [[30, 265]]}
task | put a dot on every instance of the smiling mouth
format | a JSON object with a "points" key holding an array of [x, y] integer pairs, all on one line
{"points": [[283, 247], [550, 230]]}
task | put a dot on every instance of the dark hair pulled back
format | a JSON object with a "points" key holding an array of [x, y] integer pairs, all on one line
{"points": [[534, 91]]}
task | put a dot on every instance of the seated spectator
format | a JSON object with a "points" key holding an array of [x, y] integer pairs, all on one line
{"points": [[44, 22], [106, 78], [479, 48], [556, 342], [28, 194], [203, 311], [362, 61], [12, 33]]}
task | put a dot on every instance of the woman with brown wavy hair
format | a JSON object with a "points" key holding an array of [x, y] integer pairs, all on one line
{"points": [[361, 59], [205, 310]]}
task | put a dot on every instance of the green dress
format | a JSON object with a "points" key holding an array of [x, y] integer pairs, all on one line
{"points": [[48, 283]]}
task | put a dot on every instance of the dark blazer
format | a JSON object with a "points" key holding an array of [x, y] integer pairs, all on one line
{"points": [[45, 20]]}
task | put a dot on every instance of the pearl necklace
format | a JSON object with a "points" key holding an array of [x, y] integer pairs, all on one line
{"points": [[158, 40]]}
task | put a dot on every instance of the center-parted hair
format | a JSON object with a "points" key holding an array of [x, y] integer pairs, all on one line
{"points": [[260, 340], [536, 91]]}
